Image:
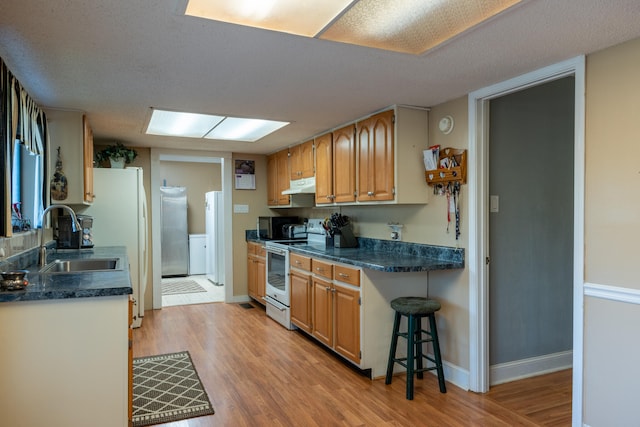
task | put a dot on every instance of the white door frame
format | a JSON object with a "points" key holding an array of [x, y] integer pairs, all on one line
{"points": [[478, 225], [224, 158]]}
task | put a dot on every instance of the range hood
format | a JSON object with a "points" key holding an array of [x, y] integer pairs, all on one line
{"points": [[302, 186]]}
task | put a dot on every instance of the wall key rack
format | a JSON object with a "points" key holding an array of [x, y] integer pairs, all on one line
{"points": [[455, 172]]}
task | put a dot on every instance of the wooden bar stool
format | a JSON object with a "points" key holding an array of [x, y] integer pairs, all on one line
{"points": [[415, 308]]}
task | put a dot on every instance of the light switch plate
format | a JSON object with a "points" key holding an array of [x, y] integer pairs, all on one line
{"points": [[494, 203], [240, 208]]}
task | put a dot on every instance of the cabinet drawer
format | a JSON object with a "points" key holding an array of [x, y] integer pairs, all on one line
{"points": [[256, 249], [261, 251], [324, 269], [346, 275], [299, 261], [252, 248]]}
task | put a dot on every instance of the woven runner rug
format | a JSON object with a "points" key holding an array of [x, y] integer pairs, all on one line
{"points": [[180, 286], [167, 388]]}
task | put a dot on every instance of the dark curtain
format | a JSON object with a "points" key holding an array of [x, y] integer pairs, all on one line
{"points": [[22, 119], [5, 126]]}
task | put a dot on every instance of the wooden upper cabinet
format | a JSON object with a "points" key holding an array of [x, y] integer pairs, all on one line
{"points": [[375, 156], [301, 160], [324, 169], [87, 160], [282, 160], [272, 180], [278, 178], [344, 164], [70, 131]]}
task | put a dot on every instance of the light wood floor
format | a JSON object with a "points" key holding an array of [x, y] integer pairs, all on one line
{"points": [[259, 374]]}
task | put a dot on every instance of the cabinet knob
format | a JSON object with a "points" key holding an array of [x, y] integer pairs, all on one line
{"points": [[319, 269], [370, 193], [343, 275], [328, 289]]}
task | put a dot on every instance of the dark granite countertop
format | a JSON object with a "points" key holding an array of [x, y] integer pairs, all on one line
{"points": [[71, 285], [386, 255]]}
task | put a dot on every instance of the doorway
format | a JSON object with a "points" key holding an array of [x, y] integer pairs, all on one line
{"points": [[184, 239], [531, 231], [160, 155], [479, 200]]}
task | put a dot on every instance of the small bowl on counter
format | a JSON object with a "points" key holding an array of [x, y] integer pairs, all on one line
{"points": [[14, 280]]}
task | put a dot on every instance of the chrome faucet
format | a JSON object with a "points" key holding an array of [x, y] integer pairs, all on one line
{"points": [[75, 226]]}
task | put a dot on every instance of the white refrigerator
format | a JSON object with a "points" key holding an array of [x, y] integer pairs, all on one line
{"points": [[214, 225], [119, 212]]}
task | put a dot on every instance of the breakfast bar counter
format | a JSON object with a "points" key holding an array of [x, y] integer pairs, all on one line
{"points": [[384, 255], [341, 296], [390, 257]]}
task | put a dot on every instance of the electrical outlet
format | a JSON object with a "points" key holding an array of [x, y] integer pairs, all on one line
{"points": [[396, 231]]}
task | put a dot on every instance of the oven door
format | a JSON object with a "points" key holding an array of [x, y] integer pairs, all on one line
{"points": [[277, 261]]}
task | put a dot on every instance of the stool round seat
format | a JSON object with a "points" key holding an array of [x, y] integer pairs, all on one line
{"points": [[415, 305]]}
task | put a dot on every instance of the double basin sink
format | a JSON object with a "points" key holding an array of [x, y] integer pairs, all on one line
{"points": [[81, 265]]}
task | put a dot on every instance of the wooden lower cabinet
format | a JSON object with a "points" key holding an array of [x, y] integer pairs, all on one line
{"points": [[322, 311], [301, 292], [346, 321], [335, 314], [256, 272], [130, 362]]}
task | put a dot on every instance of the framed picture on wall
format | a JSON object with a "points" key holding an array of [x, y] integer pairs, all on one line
{"points": [[245, 172]]}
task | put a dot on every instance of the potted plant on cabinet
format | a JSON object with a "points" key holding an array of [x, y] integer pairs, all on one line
{"points": [[118, 155]]}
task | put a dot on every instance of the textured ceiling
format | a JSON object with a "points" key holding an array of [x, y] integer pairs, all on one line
{"points": [[115, 59]]}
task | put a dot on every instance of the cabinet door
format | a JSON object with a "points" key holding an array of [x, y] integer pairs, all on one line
{"points": [[282, 160], [252, 284], [130, 364], [69, 131], [347, 322], [87, 160], [306, 166], [375, 157], [344, 164], [272, 180], [301, 300], [261, 278], [324, 169], [322, 318], [301, 160]]}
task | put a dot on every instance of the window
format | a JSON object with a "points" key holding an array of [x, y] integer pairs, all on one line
{"points": [[26, 188]]}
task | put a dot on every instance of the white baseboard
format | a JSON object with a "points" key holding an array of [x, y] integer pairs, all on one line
{"points": [[239, 299], [456, 375], [518, 369], [453, 374]]}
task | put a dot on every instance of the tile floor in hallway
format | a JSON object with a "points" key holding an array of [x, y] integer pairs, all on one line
{"points": [[214, 293]]}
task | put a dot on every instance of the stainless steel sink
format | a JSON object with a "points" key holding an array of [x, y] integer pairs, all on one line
{"points": [[80, 265]]}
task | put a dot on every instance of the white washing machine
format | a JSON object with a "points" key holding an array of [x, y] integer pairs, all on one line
{"points": [[197, 254]]}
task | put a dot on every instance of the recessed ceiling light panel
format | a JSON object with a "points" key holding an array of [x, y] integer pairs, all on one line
{"points": [[193, 125], [175, 123], [250, 130], [411, 26], [288, 16]]}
